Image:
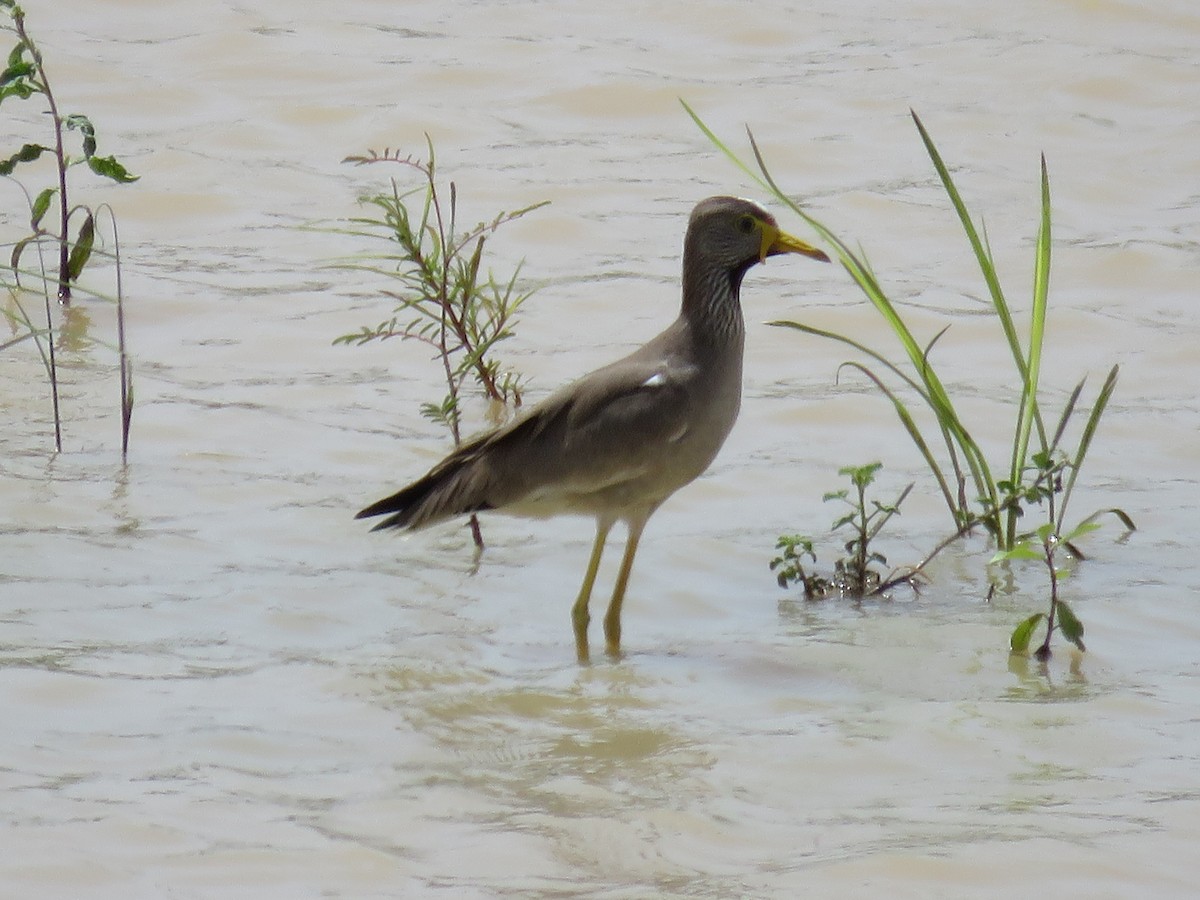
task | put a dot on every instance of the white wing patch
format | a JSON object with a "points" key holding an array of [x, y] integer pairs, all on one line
{"points": [[657, 380]]}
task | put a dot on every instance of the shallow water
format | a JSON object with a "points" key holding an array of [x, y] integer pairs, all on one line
{"points": [[216, 684]]}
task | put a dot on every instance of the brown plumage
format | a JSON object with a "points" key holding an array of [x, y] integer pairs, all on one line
{"points": [[620, 440]]}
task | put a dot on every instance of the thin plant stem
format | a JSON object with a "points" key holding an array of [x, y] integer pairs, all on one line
{"points": [[60, 156]]}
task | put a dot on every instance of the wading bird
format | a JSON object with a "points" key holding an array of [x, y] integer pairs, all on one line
{"points": [[618, 442]]}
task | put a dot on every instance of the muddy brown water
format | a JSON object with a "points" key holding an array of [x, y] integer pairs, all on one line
{"points": [[214, 683]]}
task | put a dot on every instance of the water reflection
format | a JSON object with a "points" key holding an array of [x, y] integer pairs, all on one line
{"points": [[574, 743], [74, 329], [1044, 682]]}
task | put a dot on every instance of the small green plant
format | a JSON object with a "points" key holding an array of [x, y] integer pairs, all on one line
{"points": [[973, 495], [854, 574], [73, 233], [25, 77], [1047, 543], [789, 566], [1043, 545], [440, 294]]}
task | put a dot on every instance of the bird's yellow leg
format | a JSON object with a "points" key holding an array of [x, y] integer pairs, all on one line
{"points": [[579, 612], [612, 618]]}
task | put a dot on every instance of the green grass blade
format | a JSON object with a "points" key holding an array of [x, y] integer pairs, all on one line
{"points": [[982, 253], [1085, 440], [1068, 411], [1119, 513], [861, 348], [1037, 331], [856, 265], [935, 393], [731, 156], [950, 438], [918, 439]]}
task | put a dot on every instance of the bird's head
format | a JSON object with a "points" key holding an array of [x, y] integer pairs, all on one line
{"points": [[734, 234]]}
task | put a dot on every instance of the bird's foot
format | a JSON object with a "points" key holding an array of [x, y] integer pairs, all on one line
{"points": [[582, 652], [612, 637]]}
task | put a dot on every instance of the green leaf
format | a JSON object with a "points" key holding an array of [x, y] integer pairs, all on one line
{"points": [[19, 248], [82, 251], [41, 204], [108, 167], [84, 126], [1020, 551], [21, 89], [1069, 624], [27, 153], [1018, 642], [15, 71], [79, 122]]}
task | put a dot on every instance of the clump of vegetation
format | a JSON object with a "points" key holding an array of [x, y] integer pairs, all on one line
{"points": [[790, 566], [71, 232], [854, 573], [440, 293], [1039, 472]]}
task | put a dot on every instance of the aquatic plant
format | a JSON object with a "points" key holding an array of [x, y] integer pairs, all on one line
{"points": [[854, 573], [790, 566], [72, 234], [25, 77], [439, 293], [1036, 464]]}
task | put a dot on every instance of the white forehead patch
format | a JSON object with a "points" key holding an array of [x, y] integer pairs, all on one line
{"points": [[753, 203]]}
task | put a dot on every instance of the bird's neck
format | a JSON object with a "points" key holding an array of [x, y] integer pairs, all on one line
{"points": [[711, 302]]}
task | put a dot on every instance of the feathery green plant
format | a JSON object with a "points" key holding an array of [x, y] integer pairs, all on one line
{"points": [[973, 495], [441, 297]]}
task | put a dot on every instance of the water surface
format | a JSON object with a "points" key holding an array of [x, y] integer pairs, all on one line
{"points": [[216, 684]]}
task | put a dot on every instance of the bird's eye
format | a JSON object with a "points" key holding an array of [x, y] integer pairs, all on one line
{"points": [[746, 224]]}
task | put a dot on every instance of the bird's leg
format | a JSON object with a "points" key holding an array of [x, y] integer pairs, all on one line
{"points": [[579, 612], [612, 618]]}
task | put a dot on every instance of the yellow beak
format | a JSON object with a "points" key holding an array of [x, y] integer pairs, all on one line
{"points": [[775, 242]]}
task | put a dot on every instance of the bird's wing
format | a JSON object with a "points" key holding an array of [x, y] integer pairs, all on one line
{"points": [[609, 427]]}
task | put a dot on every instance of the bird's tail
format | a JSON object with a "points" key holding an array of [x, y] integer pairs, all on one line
{"points": [[451, 488]]}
